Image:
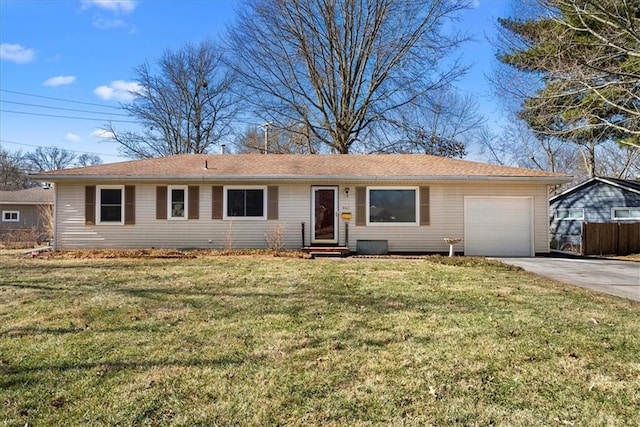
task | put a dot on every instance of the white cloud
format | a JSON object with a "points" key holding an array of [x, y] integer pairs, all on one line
{"points": [[118, 90], [118, 6], [103, 134], [16, 53], [60, 81], [108, 24], [72, 137]]}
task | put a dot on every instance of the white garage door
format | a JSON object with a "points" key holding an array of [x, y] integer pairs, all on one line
{"points": [[498, 226]]}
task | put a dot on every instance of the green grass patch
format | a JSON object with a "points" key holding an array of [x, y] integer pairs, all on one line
{"points": [[258, 340]]}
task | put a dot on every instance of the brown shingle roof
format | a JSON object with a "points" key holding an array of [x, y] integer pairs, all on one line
{"points": [[294, 166], [29, 196]]}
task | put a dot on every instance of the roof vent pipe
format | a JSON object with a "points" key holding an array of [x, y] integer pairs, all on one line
{"points": [[206, 164], [222, 147]]}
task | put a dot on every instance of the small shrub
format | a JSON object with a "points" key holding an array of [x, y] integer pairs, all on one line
{"points": [[48, 223], [275, 238], [228, 237], [21, 238]]}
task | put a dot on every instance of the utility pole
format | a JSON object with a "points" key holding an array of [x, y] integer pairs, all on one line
{"points": [[266, 136]]}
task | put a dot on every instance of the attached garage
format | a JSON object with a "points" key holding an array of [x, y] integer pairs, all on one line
{"points": [[498, 226]]}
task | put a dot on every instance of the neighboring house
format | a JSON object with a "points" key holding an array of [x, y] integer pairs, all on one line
{"points": [[596, 200], [23, 214], [410, 201]]}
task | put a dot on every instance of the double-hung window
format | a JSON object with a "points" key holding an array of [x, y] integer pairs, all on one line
{"points": [[10, 216], [177, 202], [393, 205], [110, 204], [245, 202]]}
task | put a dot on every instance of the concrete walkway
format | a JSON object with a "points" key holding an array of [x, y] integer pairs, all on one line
{"points": [[619, 278]]}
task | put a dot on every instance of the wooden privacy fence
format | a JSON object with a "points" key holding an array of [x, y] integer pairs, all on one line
{"points": [[610, 238]]}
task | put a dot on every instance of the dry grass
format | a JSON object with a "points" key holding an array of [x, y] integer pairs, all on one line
{"points": [[259, 340], [632, 257], [168, 253]]}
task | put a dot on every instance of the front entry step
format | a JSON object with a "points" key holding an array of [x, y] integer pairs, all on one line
{"points": [[326, 251]]}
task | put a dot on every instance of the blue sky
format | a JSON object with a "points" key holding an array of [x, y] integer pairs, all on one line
{"points": [[77, 58]]}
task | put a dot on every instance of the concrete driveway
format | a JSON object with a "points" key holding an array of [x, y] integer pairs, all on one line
{"points": [[619, 278]]}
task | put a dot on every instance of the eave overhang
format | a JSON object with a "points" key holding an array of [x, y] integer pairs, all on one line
{"points": [[549, 180]]}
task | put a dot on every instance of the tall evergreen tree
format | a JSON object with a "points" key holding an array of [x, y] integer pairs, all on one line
{"points": [[587, 56]]}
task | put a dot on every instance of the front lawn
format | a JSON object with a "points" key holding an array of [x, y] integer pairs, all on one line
{"points": [[258, 340]]}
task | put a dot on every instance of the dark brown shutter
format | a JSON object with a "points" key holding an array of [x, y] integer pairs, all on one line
{"points": [[216, 202], [272, 202], [90, 205], [194, 202], [129, 204], [424, 206], [361, 205], [161, 202]]}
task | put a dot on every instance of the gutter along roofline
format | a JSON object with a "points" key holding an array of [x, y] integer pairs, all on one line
{"points": [[300, 178]]}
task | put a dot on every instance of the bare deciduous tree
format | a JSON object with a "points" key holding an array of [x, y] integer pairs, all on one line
{"points": [[617, 161], [518, 145], [86, 159], [340, 66], [185, 106], [294, 139], [13, 168], [49, 158], [444, 126]]}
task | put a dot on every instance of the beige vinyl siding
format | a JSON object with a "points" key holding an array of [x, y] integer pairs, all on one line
{"points": [[163, 233], [446, 220]]}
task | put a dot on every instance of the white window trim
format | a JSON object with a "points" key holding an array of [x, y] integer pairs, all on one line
{"points": [[395, 224], [581, 218], [99, 189], [186, 202], [626, 208], [244, 187], [4, 213]]}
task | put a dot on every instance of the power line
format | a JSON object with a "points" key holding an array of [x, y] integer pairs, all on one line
{"points": [[66, 117], [236, 121], [4, 141], [64, 109], [59, 99]]}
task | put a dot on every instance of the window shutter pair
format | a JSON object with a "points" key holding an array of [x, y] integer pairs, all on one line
{"points": [[361, 206], [217, 196], [90, 205], [193, 194]]}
